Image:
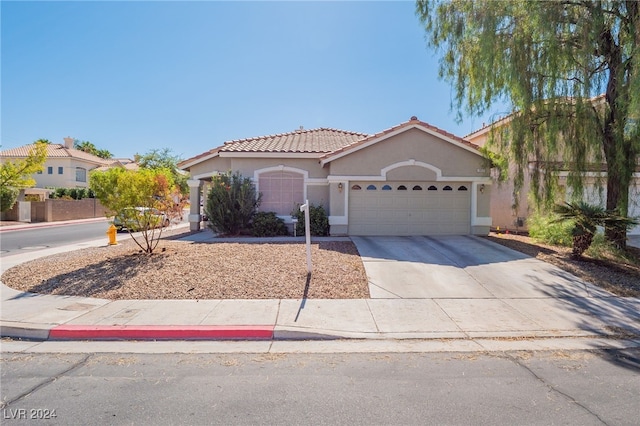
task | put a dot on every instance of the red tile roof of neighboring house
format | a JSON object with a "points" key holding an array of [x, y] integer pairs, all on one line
{"points": [[125, 163], [407, 124], [55, 150]]}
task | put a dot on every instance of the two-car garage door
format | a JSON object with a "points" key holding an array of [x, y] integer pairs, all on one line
{"points": [[409, 208]]}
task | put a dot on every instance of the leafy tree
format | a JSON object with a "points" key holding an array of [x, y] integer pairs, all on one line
{"points": [[232, 203], [586, 218], [90, 148], [16, 174], [164, 159], [548, 61], [122, 191]]}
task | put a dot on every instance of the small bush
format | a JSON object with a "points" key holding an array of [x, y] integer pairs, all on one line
{"points": [[231, 203], [81, 193], [602, 249], [267, 224], [32, 197], [542, 228], [60, 193], [318, 221]]}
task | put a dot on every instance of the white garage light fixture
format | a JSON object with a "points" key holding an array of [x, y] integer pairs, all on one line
{"points": [[340, 187]]}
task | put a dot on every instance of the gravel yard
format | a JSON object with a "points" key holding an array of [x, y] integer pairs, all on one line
{"points": [[186, 270]]}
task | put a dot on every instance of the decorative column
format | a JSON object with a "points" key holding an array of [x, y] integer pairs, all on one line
{"points": [[194, 200]]}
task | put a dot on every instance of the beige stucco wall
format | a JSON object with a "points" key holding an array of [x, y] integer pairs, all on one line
{"points": [[484, 194], [414, 144], [207, 168], [337, 200], [247, 166], [338, 230], [65, 180], [318, 195]]}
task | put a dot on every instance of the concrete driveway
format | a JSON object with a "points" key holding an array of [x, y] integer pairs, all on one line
{"points": [[469, 283], [450, 267]]}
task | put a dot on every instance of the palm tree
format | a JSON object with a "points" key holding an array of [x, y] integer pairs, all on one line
{"points": [[587, 218]]}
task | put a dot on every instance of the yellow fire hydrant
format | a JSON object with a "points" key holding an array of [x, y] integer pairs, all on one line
{"points": [[111, 233]]}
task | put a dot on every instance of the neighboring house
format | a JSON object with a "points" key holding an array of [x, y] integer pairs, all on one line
{"points": [[65, 166], [509, 215], [411, 179], [125, 163]]}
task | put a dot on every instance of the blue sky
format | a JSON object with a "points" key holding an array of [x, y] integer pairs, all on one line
{"points": [[134, 76]]}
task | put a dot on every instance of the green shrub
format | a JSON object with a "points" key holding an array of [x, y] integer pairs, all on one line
{"points": [[231, 203], [8, 197], [72, 193], [602, 249], [60, 193], [318, 221], [267, 224], [81, 193], [546, 229]]}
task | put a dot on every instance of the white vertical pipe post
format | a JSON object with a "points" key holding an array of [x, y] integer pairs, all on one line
{"points": [[307, 232]]}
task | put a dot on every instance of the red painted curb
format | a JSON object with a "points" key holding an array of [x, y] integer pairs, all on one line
{"points": [[162, 332]]}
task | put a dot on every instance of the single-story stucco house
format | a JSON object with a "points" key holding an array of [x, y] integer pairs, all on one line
{"points": [[411, 179]]}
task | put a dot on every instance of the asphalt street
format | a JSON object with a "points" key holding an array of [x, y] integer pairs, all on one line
{"points": [[522, 387]]}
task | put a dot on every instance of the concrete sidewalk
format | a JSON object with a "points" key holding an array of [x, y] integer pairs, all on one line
{"points": [[45, 317]]}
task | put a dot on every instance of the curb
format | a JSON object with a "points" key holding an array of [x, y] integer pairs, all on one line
{"points": [[161, 332], [19, 330], [35, 225]]}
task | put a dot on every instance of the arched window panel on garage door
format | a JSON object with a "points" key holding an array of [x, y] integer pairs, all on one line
{"points": [[447, 188], [387, 188], [371, 188], [432, 188], [281, 191], [356, 187], [462, 188], [402, 188], [417, 188]]}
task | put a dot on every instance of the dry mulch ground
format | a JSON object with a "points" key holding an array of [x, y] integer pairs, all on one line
{"points": [[186, 270]]}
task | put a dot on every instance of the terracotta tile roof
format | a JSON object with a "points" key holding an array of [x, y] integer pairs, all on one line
{"points": [[194, 160], [321, 140], [412, 122], [314, 141], [55, 150]]}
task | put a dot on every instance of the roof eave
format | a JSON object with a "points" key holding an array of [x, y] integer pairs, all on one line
{"points": [[186, 164]]}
